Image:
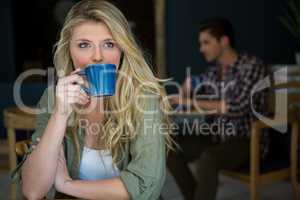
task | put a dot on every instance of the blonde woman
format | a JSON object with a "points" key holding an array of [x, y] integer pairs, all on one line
{"points": [[125, 157]]}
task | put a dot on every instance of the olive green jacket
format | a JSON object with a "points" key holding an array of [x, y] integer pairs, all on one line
{"points": [[142, 168]]}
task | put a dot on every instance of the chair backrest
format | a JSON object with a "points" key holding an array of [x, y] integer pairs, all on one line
{"points": [[285, 91], [22, 147], [15, 118]]}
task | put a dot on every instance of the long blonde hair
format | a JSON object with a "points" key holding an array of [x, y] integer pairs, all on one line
{"points": [[133, 64]]}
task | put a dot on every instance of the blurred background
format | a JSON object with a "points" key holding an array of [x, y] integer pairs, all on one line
{"points": [[168, 32]]}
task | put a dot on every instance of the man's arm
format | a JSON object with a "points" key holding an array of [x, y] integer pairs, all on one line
{"points": [[219, 106]]}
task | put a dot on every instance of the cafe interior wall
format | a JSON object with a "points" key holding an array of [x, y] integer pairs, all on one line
{"points": [[9, 72], [258, 32]]}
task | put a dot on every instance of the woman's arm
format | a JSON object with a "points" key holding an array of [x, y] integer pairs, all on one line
{"points": [[39, 169], [141, 179], [103, 189]]}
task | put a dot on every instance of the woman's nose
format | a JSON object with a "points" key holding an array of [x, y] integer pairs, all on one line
{"points": [[97, 56]]}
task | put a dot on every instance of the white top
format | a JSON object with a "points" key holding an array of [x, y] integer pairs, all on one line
{"points": [[96, 165]]}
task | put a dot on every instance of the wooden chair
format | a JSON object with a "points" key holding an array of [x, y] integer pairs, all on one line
{"points": [[16, 119], [295, 141], [254, 177], [294, 158], [4, 167]]}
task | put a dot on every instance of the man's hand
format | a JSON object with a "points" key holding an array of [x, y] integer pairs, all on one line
{"points": [[179, 100], [187, 87]]}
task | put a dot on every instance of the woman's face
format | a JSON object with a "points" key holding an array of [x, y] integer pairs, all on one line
{"points": [[92, 42]]}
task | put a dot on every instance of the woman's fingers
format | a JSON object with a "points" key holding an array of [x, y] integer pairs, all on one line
{"points": [[76, 71], [83, 98], [69, 89], [72, 88], [68, 92], [73, 78], [78, 96]]}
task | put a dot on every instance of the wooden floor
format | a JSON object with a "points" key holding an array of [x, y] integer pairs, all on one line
{"points": [[230, 189]]}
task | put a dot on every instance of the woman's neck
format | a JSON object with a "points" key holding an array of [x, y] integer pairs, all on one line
{"points": [[94, 123]]}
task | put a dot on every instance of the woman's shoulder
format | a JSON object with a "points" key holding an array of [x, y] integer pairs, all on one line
{"points": [[148, 100], [47, 98], [151, 94], [49, 90]]}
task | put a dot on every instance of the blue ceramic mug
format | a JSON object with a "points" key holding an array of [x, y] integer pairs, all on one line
{"points": [[101, 79]]}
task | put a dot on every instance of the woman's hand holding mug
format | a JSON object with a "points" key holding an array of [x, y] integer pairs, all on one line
{"points": [[69, 92]]}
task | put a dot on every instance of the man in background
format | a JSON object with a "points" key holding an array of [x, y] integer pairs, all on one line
{"points": [[227, 85]]}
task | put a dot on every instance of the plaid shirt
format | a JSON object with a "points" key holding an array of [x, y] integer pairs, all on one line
{"points": [[235, 88]]}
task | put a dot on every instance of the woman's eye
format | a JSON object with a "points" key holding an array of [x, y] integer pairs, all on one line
{"points": [[108, 45], [83, 45]]}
